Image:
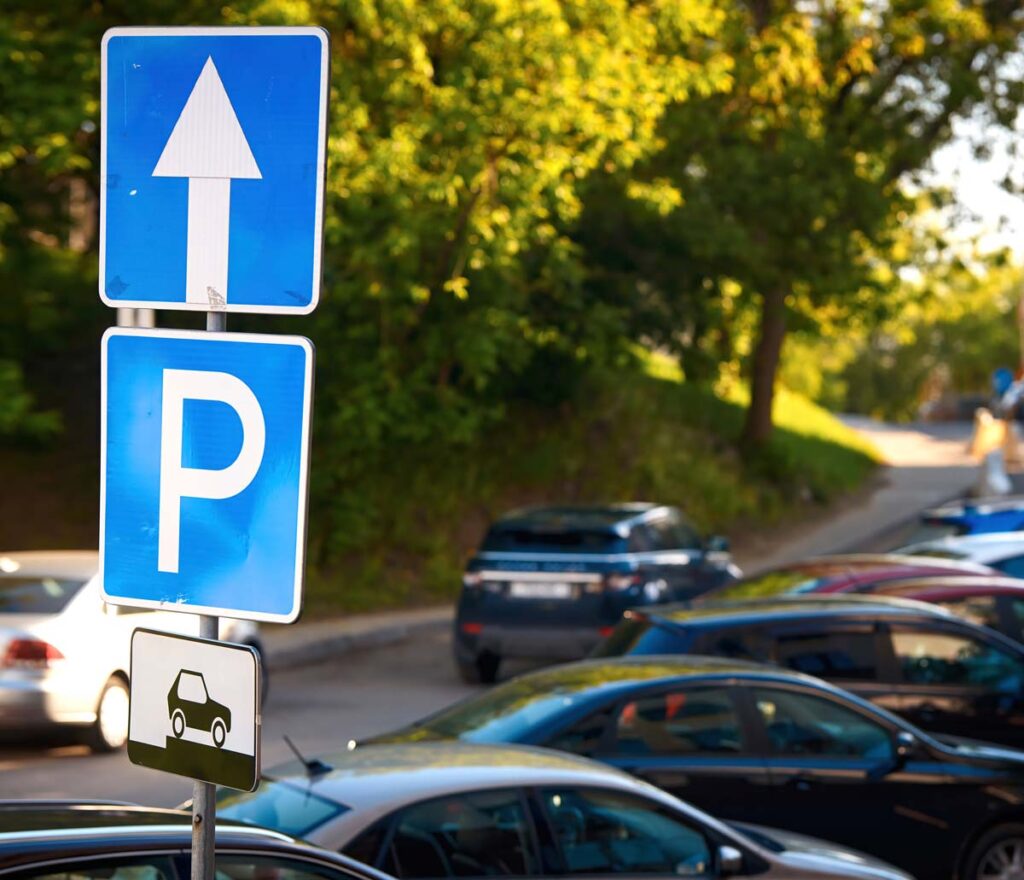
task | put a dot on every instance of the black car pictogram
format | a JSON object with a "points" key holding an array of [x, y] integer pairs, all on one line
{"points": [[189, 705]]}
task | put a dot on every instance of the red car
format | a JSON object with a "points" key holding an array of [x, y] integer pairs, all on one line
{"points": [[995, 602], [841, 574]]}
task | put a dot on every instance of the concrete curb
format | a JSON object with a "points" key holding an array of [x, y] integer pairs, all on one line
{"points": [[309, 644]]}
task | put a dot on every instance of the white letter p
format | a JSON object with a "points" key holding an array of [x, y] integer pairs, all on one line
{"points": [[177, 482]]}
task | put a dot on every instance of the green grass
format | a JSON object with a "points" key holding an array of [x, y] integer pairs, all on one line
{"points": [[629, 435]]}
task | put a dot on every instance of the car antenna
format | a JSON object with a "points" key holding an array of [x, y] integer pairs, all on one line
{"points": [[314, 766]]}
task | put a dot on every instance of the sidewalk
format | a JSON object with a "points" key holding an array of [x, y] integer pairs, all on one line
{"points": [[926, 465]]}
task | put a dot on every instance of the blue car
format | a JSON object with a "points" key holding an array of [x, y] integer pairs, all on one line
{"points": [[551, 582], [973, 517]]}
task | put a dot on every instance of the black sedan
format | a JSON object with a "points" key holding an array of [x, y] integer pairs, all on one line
{"points": [[101, 841], [758, 744]]}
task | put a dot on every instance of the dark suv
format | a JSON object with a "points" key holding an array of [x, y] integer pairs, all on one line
{"points": [[551, 582], [917, 660]]}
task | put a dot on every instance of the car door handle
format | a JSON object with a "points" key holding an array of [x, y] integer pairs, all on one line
{"points": [[800, 783]]}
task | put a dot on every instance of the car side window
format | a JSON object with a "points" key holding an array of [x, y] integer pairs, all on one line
{"points": [[597, 831], [977, 609], [152, 868], [642, 539], [257, 866], [478, 834], [804, 725], [832, 655], [672, 533], [940, 657], [1017, 615], [1014, 566], [584, 737], [681, 722], [367, 846]]}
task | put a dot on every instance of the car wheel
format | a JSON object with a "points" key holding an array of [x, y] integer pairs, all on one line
{"points": [[482, 670], [219, 732], [110, 730], [178, 723], [998, 854]]}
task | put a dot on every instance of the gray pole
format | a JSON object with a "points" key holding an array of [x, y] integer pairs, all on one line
{"points": [[204, 804]]}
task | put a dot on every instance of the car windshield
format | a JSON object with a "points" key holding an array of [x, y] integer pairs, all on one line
{"points": [[281, 806], [506, 540], [504, 714], [35, 595]]}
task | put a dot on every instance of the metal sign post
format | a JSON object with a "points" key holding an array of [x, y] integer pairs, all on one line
{"points": [[204, 794]]}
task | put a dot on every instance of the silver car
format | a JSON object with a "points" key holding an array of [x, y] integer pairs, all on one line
{"points": [[64, 652], [440, 810]]}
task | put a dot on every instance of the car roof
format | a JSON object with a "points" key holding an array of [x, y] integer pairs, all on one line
{"points": [[791, 607], [976, 506], [614, 518], [969, 585], [984, 547], [841, 563], [79, 564], [383, 777], [601, 676], [34, 831]]}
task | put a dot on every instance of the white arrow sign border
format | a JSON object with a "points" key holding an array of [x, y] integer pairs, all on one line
{"points": [[172, 300]]}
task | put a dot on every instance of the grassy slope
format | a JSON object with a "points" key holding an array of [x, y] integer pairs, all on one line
{"points": [[649, 437]]}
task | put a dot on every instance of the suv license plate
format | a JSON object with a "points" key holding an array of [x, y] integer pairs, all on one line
{"points": [[533, 590]]}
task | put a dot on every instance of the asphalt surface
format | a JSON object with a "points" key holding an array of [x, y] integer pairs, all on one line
{"points": [[322, 707], [319, 707]]}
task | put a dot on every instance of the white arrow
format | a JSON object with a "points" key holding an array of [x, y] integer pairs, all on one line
{"points": [[208, 147]]}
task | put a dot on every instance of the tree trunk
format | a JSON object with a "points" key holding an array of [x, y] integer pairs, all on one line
{"points": [[757, 429]]}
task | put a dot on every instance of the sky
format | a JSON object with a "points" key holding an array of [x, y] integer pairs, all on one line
{"points": [[998, 215]]}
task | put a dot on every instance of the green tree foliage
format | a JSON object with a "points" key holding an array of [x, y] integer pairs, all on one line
{"points": [[783, 194]]}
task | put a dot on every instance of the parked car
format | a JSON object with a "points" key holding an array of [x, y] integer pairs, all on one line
{"points": [[837, 574], [940, 672], [97, 841], [64, 652], [973, 517], [550, 582], [1003, 551], [755, 743], [995, 602], [442, 810]]}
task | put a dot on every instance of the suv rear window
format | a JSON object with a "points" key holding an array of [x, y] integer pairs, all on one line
{"points": [[36, 595], [553, 541]]}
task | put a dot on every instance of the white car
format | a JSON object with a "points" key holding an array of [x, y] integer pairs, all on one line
{"points": [[429, 810], [1003, 551], [64, 652]]}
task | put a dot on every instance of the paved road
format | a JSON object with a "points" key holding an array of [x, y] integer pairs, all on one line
{"points": [[322, 707], [319, 707]]}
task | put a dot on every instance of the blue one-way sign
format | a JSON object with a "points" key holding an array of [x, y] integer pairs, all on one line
{"points": [[212, 168], [205, 440]]}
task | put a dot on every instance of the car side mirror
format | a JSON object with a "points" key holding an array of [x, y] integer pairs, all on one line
{"points": [[907, 746], [716, 544], [730, 861]]}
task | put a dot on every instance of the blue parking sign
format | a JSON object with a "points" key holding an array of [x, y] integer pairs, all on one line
{"points": [[205, 440], [212, 168]]}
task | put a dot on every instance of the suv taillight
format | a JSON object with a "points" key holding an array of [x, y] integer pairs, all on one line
{"points": [[30, 654], [617, 582], [471, 580]]}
